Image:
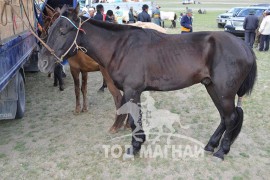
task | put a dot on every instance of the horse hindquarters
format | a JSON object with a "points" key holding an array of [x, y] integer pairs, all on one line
{"points": [[222, 90]]}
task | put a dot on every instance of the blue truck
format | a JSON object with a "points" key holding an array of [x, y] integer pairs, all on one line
{"points": [[16, 47], [18, 51]]}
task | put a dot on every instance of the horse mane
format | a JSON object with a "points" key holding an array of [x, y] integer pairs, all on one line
{"points": [[109, 26]]}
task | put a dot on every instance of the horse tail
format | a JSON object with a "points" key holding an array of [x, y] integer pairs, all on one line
{"points": [[239, 117], [175, 16], [248, 84]]}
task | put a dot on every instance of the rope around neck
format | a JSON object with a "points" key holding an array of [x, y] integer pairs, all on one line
{"points": [[75, 40]]}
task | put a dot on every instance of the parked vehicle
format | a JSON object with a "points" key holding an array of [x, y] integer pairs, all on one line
{"points": [[222, 18], [263, 5], [234, 25], [17, 45]]}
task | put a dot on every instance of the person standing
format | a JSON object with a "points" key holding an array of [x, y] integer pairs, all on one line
{"points": [[250, 25], [264, 30], [91, 12], [144, 16], [100, 16], [156, 16], [110, 17], [257, 37], [119, 15], [131, 18], [186, 22]]}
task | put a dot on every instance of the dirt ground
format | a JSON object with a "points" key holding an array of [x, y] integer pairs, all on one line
{"points": [[52, 142]]}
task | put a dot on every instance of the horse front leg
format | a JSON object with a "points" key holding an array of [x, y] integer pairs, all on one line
{"points": [[60, 79], [84, 91], [135, 121], [75, 74], [117, 97]]}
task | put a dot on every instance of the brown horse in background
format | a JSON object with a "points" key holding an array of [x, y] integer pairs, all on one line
{"points": [[81, 63]]}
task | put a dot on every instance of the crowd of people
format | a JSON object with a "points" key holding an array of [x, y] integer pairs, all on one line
{"points": [[257, 30]]}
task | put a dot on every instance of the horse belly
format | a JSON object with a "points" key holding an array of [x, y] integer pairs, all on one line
{"points": [[170, 83]]}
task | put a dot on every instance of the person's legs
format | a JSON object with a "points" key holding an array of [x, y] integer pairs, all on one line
{"points": [[261, 43], [257, 40], [247, 38], [267, 38], [252, 39]]}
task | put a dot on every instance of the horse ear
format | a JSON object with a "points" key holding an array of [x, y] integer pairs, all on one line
{"points": [[63, 9], [77, 9], [57, 9], [50, 12]]}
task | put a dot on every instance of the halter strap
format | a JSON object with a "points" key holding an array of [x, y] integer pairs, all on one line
{"points": [[74, 42], [79, 28]]}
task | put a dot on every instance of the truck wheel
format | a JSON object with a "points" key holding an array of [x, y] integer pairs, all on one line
{"points": [[220, 25], [21, 98]]}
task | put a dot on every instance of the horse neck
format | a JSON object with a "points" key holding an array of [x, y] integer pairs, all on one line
{"points": [[98, 43]]}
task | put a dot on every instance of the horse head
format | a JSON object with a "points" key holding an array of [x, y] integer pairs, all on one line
{"points": [[61, 37]]}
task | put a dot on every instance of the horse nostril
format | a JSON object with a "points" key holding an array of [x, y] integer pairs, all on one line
{"points": [[45, 63]]}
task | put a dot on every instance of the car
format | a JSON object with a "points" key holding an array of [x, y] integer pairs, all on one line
{"points": [[222, 18], [264, 5], [234, 25]]}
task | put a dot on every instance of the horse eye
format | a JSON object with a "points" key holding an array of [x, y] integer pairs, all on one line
{"points": [[62, 31]]}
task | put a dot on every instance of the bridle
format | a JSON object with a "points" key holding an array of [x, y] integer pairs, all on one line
{"points": [[77, 47]]}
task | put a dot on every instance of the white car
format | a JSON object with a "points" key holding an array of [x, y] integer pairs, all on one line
{"points": [[222, 18], [235, 24]]}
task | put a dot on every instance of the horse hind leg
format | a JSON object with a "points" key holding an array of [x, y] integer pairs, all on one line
{"points": [[117, 97], [215, 138], [231, 121], [104, 85]]}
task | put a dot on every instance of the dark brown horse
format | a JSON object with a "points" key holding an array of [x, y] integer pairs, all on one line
{"points": [[145, 60]]}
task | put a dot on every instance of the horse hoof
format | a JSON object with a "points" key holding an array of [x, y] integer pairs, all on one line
{"points": [[208, 152], [128, 157], [217, 159], [219, 155], [76, 112], [113, 130], [101, 91], [127, 127], [209, 149], [84, 110]]}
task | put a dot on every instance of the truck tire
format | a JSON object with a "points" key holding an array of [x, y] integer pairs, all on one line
{"points": [[220, 25], [21, 98]]}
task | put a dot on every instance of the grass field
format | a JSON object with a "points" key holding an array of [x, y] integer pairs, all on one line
{"points": [[50, 142]]}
